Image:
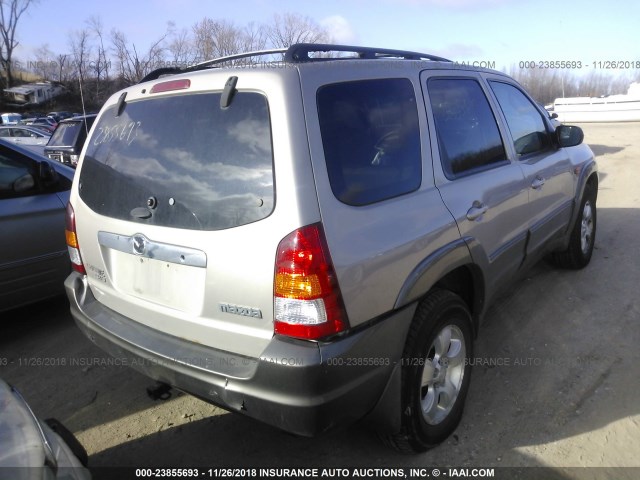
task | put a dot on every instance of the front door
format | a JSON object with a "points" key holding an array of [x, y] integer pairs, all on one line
{"points": [[547, 168]]}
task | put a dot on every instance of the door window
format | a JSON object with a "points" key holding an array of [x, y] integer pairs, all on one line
{"points": [[523, 118], [468, 135], [371, 139]]}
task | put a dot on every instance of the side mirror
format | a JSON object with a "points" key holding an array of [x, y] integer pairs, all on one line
{"points": [[569, 135], [554, 115], [24, 183], [48, 175]]}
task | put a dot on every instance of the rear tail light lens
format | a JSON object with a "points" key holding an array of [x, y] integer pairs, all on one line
{"points": [[72, 241], [307, 299]]}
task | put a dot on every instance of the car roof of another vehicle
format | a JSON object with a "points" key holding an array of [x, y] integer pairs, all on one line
{"points": [[61, 168], [78, 118], [27, 127]]}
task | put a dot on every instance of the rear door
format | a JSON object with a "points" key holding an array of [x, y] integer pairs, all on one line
{"points": [[484, 190], [547, 168], [372, 165]]}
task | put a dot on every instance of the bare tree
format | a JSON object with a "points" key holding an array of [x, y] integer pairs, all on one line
{"points": [[203, 41], [80, 44], [597, 84], [65, 72], [217, 38], [45, 65], [291, 28], [100, 66], [545, 85], [135, 65], [10, 13], [254, 38], [181, 50]]}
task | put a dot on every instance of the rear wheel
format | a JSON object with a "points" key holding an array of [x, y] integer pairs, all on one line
{"points": [[583, 235], [435, 372]]}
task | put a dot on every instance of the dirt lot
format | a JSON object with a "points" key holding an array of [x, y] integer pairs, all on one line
{"points": [[556, 383]]}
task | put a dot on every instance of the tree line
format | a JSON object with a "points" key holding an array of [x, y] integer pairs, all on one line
{"points": [[101, 61], [545, 85]]}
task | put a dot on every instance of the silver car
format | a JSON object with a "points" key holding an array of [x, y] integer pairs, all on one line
{"points": [[34, 192], [23, 135], [314, 241], [31, 448]]}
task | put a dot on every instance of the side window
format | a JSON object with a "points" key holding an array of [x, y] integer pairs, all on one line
{"points": [[5, 132], [371, 139], [468, 134], [525, 121], [16, 175]]}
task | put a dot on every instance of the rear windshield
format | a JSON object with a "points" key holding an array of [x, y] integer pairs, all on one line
{"points": [[190, 163], [65, 135]]}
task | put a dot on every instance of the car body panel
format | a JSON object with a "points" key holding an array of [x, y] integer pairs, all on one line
{"points": [[33, 259], [30, 446]]}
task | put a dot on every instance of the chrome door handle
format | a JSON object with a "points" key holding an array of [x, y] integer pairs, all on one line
{"points": [[537, 183], [476, 211]]}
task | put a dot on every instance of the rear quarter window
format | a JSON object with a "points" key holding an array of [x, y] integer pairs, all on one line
{"points": [[371, 139], [203, 167]]}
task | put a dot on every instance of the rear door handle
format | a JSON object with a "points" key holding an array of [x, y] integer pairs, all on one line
{"points": [[537, 183], [477, 210]]}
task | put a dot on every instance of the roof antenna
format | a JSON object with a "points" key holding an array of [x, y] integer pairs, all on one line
{"points": [[84, 111]]}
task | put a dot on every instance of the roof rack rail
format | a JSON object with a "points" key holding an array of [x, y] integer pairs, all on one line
{"points": [[299, 53], [235, 56], [155, 74]]}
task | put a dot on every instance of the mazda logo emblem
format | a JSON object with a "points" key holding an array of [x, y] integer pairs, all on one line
{"points": [[139, 244]]}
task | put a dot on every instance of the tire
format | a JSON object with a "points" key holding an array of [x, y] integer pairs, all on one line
{"points": [[435, 373], [583, 235]]}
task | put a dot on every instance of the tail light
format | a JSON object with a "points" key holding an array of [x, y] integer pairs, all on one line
{"points": [[72, 241], [307, 299]]}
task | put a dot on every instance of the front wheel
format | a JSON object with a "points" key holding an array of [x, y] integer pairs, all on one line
{"points": [[583, 235], [435, 372]]}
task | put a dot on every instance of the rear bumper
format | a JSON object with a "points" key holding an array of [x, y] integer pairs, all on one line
{"points": [[302, 387]]}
